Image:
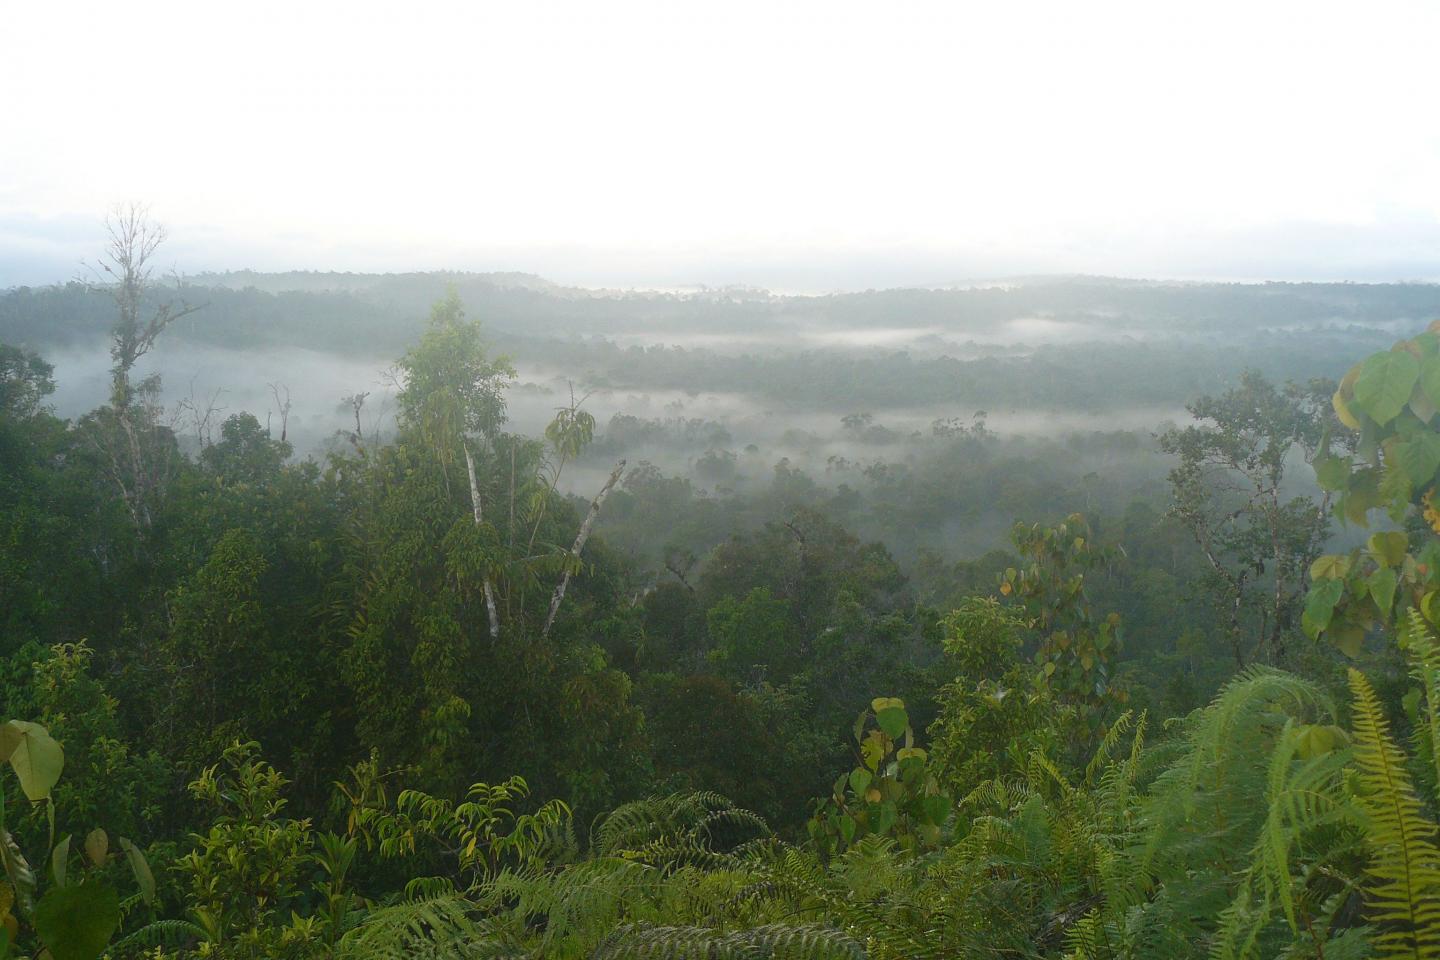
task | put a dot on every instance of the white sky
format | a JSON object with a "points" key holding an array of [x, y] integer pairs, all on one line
{"points": [[802, 144]]}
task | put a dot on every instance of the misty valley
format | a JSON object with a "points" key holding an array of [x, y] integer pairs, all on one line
{"points": [[717, 388], [470, 615]]}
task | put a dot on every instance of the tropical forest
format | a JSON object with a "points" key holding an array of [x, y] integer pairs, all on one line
{"points": [[437, 687], [683, 480]]}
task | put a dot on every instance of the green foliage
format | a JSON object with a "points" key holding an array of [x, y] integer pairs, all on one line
{"points": [[1230, 491], [696, 828], [994, 714], [676, 726], [106, 781], [752, 635], [1389, 402], [34, 756], [483, 834], [76, 916], [452, 388], [248, 871], [438, 927], [782, 941], [245, 452], [892, 791], [222, 654], [1403, 892], [76, 922], [25, 380], [1075, 648]]}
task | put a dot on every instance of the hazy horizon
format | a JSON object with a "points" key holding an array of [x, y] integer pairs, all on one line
{"points": [[801, 147]]}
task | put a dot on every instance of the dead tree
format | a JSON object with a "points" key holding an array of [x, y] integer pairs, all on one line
{"points": [[355, 402], [283, 405], [128, 263], [134, 442]]}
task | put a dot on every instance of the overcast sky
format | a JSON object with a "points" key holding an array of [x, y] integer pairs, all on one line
{"points": [[800, 145]]}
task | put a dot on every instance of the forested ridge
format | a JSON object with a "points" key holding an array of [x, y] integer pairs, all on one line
{"points": [[414, 696]]}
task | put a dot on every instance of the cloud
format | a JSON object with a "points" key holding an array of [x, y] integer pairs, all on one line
{"points": [[648, 142]]}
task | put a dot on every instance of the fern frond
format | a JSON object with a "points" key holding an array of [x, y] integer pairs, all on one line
{"points": [[780, 941], [158, 933], [438, 927], [1404, 892], [1425, 667]]}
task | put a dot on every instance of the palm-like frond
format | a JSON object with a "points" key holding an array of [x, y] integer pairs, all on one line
{"points": [[780, 941], [1404, 891], [443, 928]]}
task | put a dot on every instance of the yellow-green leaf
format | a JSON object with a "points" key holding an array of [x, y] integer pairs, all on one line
{"points": [[1382, 589], [60, 859], [1342, 411], [1330, 567], [1313, 740], [97, 845], [36, 758], [1389, 548]]}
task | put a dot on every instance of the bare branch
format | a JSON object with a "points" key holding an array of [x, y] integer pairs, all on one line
{"points": [[283, 406]]}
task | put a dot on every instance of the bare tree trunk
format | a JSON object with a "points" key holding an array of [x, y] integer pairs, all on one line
{"points": [[475, 505], [283, 406], [580, 539], [126, 270]]}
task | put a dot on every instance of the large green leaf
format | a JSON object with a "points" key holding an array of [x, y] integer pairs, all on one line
{"points": [[936, 807], [1419, 456], [893, 720], [1382, 588], [1320, 606], [1420, 403], [141, 868], [36, 758], [1331, 473], [76, 923], [1430, 378], [1384, 384]]}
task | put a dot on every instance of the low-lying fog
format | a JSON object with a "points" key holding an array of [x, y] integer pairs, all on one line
{"points": [[870, 396], [675, 429]]}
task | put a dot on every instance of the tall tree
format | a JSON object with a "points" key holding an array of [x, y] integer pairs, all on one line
{"points": [[1258, 533], [138, 449]]}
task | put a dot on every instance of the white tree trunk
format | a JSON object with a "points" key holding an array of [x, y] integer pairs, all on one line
{"points": [[580, 539], [475, 506]]}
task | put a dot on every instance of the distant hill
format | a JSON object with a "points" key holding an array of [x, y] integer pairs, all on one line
{"points": [[379, 314], [308, 281]]}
